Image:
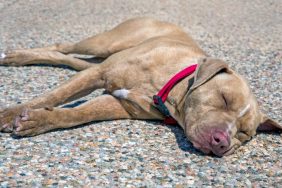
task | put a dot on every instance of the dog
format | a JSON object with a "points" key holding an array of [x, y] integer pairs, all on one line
{"points": [[213, 104]]}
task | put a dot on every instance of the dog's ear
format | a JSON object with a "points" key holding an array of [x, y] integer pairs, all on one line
{"points": [[207, 68], [268, 124]]}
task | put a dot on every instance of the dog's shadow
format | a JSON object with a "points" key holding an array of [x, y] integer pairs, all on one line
{"points": [[183, 143]]}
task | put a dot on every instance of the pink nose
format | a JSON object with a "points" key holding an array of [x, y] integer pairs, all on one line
{"points": [[220, 142]]}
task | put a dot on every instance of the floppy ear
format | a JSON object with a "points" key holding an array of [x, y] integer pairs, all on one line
{"points": [[208, 68], [268, 124]]}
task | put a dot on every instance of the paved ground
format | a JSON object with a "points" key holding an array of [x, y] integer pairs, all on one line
{"points": [[247, 34]]}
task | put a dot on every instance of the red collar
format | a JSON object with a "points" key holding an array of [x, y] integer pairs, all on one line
{"points": [[162, 95]]}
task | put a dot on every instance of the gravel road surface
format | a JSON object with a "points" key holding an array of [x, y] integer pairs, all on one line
{"points": [[131, 153]]}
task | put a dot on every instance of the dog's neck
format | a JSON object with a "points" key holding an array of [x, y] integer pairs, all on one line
{"points": [[176, 100]]}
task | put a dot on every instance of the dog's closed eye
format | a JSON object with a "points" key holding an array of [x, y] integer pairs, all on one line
{"points": [[225, 101]]}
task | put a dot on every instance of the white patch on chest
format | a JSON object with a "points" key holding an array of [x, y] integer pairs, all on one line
{"points": [[244, 111], [2, 56], [121, 93]]}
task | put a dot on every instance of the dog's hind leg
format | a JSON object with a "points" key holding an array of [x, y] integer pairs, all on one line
{"points": [[36, 121], [123, 36], [126, 35], [78, 86]]}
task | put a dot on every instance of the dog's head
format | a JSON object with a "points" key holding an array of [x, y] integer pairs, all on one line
{"points": [[220, 111]]}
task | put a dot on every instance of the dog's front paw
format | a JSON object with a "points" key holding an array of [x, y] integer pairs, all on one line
{"points": [[32, 122], [7, 117]]}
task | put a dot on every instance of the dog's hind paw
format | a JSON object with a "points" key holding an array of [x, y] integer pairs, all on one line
{"points": [[2, 55], [17, 57]]}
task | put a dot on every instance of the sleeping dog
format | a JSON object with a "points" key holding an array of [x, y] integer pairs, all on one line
{"points": [[142, 58]]}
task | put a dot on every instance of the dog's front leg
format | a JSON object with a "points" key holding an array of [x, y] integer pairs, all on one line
{"points": [[80, 85], [36, 121]]}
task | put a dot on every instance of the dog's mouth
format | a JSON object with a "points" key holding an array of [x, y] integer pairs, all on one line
{"points": [[229, 151], [209, 150]]}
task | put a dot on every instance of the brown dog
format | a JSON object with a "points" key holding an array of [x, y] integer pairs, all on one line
{"points": [[218, 112]]}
